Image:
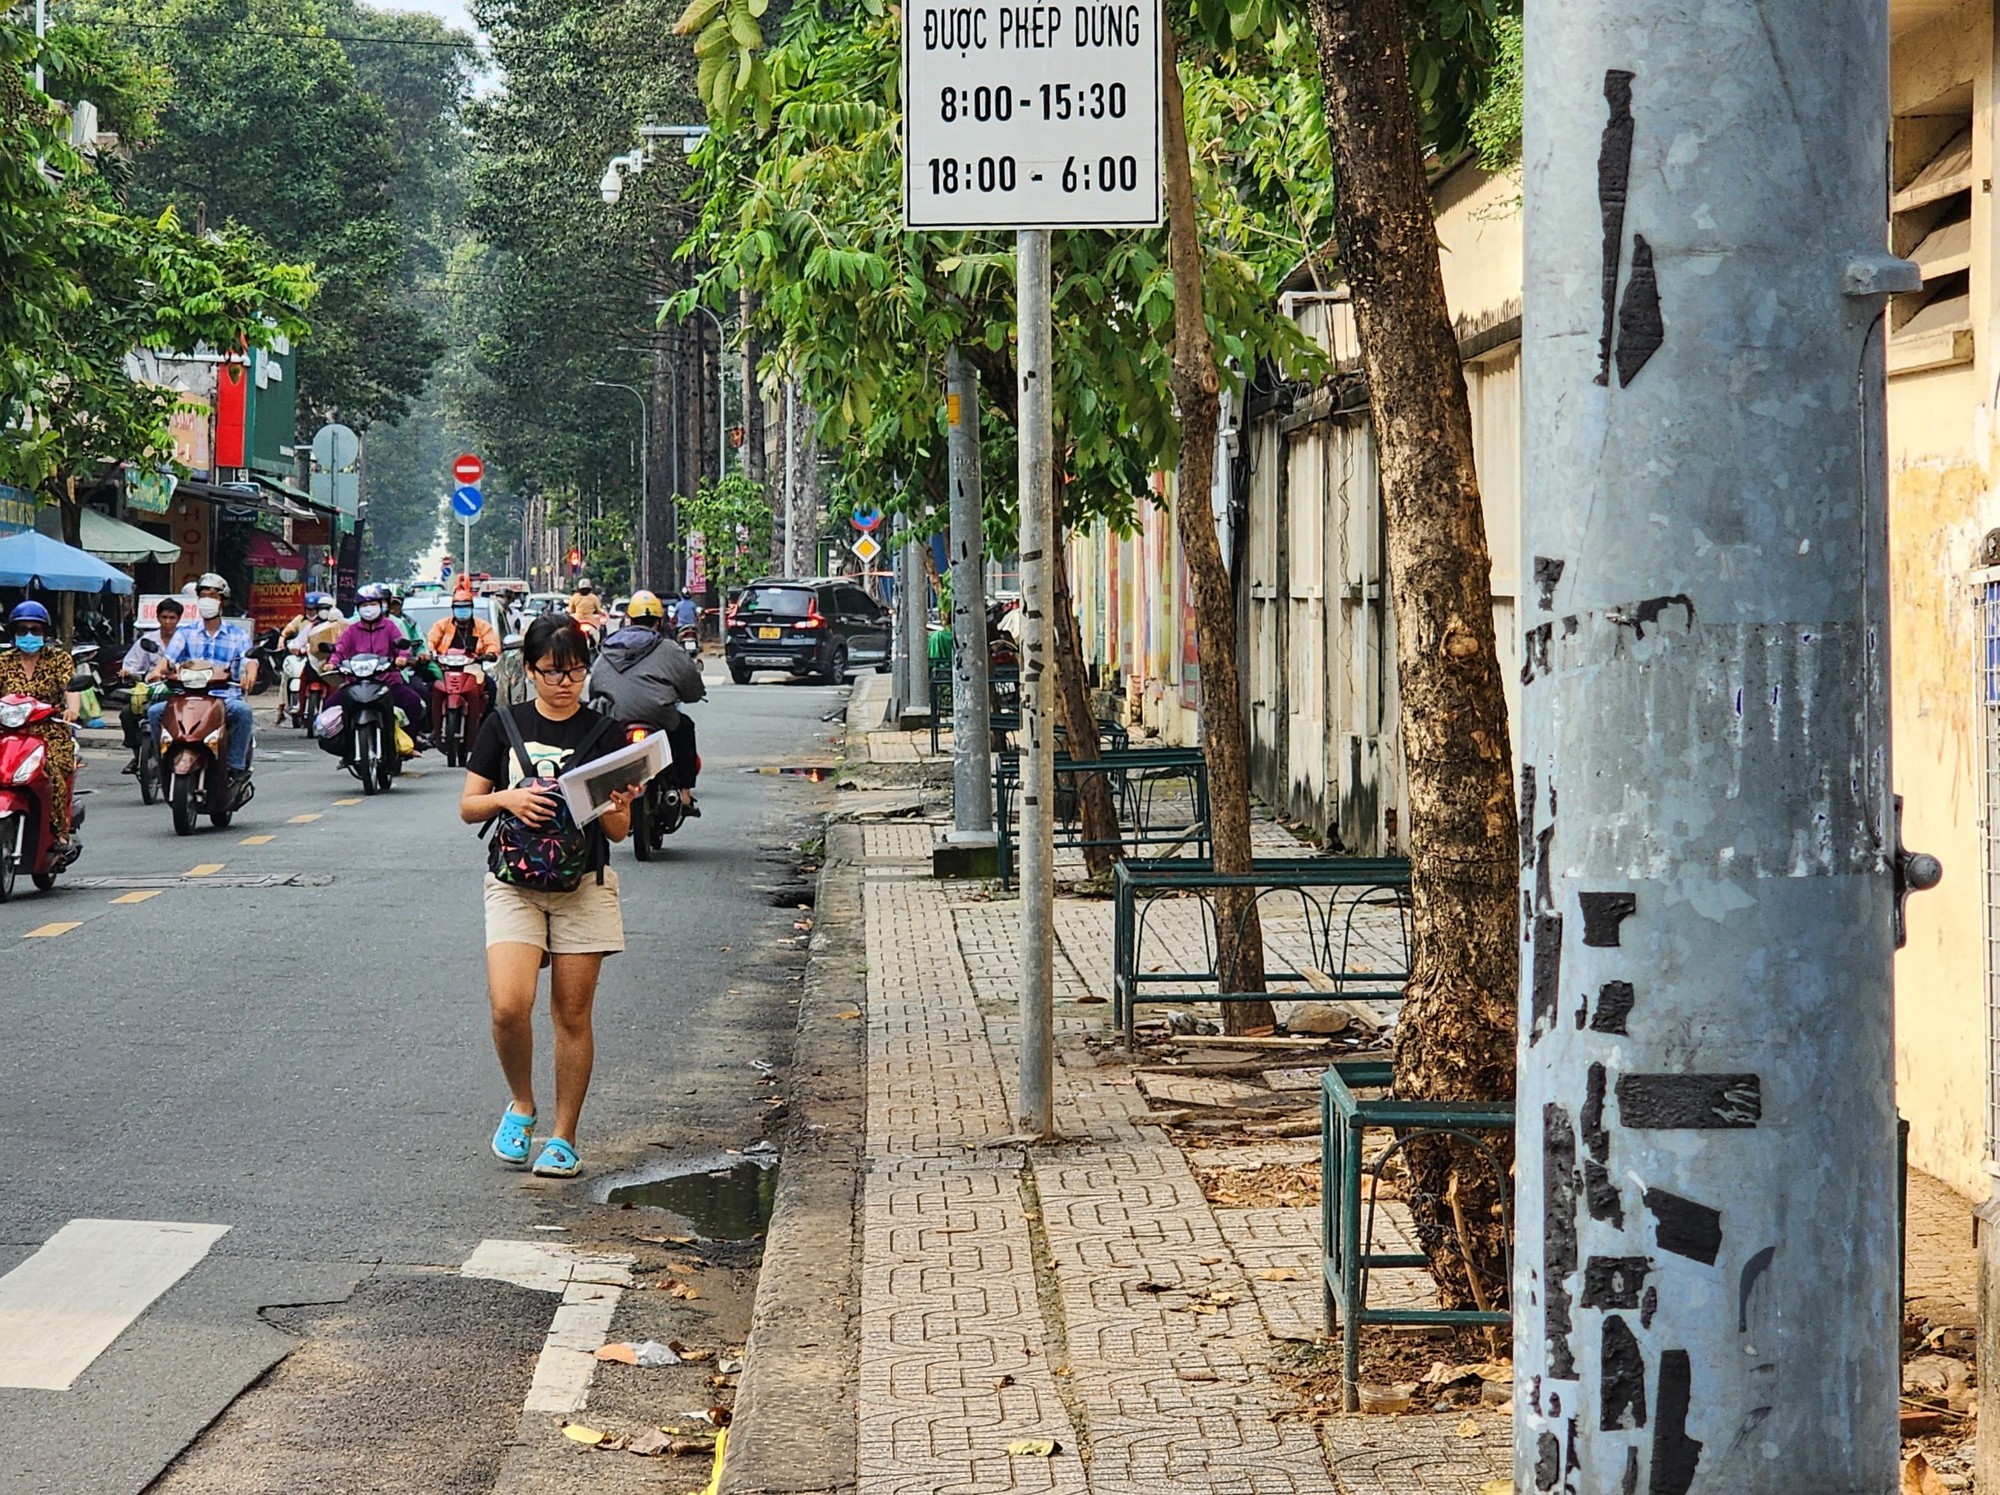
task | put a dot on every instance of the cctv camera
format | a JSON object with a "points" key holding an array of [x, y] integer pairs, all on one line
{"points": [[612, 186]]}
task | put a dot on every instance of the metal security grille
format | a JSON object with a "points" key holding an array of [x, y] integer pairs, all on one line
{"points": [[1987, 599]]}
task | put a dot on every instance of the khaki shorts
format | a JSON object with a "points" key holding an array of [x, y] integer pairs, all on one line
{"points": [[585, 921]]}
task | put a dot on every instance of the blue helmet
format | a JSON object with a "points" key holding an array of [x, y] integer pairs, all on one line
{"points": [[316, 600], [28, 612]]}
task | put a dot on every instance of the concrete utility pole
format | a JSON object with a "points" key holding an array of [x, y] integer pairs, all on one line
{"points": [[1706, 1271], [972, 732], [1037, 861]]}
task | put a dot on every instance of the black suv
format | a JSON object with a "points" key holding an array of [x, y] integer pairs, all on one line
{"points": [[826, 628]]}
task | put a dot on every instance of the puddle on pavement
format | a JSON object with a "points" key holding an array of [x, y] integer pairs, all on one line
{"points": [[819, 773], [732, 1202]]}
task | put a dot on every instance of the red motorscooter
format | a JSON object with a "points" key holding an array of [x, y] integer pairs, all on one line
{"points": [[458, 705], [27, 842]]}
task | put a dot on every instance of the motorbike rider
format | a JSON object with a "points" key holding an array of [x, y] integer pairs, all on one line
{"points": [[586, 608], [138, 664], [293, 636], [213, 641], [377, 632], [464, 630], [646, 678], [687, 613], [32, 668], [303, 620]]}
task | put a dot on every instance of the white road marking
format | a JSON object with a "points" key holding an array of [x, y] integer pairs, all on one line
{"points": [[590, 1286], [62, 1307]]}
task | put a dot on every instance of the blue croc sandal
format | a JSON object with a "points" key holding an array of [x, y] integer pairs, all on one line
{"points": [[558, 1160], [512, 1137]]}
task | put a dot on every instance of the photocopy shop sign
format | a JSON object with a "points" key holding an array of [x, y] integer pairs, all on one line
{"points": [[1031, 116]]}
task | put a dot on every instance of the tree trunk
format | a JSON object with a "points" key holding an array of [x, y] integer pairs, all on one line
{"points": [[1079, 722], [1456, 1037], [1240, 936]]}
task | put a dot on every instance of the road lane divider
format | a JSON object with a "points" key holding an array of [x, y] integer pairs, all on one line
{"points": [[590, 1286], [65, 1305], [303, 819], [204, 869], [50, 931], [138, 895], [257, 840], [347, 801]]}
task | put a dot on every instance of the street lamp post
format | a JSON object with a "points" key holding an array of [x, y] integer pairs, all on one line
{"points": [[645, 573]]}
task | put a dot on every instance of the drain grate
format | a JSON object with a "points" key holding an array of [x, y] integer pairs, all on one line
{"points": [[214, 880]]}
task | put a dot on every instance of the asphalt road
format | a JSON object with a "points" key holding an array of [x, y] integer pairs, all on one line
{"points": [[307, 1064]]}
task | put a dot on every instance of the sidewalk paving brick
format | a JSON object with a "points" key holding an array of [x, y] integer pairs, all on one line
{"points": [[1146, 1339]]}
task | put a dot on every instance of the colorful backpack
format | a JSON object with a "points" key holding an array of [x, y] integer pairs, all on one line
{"points": [[551, 858]]}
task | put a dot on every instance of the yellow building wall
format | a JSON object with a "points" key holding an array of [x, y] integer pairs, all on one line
{"points": [[1941, 504]]}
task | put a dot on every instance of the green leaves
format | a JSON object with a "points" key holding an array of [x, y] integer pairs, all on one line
{"points": [[88, 283]]}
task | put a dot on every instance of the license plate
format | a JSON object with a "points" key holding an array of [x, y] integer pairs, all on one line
{"points": [[770, 633]]}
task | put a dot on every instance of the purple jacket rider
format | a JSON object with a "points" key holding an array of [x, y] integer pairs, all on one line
{"points": [[384, 636]]}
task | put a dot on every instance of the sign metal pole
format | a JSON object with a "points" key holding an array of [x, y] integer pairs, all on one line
{"points": [[1013, 120]]}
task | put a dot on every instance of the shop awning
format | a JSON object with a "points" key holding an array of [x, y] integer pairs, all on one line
{"points": [[111, 539], [266, 495], [269, 550], [32, 559], [298, 504]]}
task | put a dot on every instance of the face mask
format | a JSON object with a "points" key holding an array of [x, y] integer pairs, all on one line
{"points": [[370, 612], [463, 614], [326, 615], [209, 607], [29, 643]]}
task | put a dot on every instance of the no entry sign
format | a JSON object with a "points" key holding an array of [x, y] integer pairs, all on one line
{"points": [[468, 469]]}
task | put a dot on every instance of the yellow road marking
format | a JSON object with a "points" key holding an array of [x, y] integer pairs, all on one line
{"points": [[50, 931], [203, 869], [303, 819], [347, 801], [139, 895], [258, 840]]}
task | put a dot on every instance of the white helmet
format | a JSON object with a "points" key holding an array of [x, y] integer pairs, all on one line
{"points": [[211, 581]]}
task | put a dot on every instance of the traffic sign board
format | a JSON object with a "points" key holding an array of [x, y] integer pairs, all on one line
{"points": [[1042, 116], [466, 503], [868, 520], [866, 548], [468, 469]]}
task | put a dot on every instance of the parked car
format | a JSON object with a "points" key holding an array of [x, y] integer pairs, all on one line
{"points": [[825, 627]]}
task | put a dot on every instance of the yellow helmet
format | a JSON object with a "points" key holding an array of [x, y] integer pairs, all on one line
{"points": [[643, 604]]}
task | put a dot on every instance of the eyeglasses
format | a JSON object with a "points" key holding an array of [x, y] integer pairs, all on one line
{"points": [[35, 628], [573, 676]]}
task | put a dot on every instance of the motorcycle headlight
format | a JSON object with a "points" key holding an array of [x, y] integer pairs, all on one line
{"points": [[15, 715], [31, 765], [214, 737]]}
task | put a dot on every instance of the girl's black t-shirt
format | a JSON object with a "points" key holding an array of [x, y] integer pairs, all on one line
{"points": [[549, 743]]}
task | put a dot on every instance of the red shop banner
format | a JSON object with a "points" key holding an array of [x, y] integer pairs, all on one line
{"points": [[273, 604]]}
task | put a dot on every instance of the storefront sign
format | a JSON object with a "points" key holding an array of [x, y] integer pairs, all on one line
{"points": [[274, 603], [17, 510], [149, 492], [188, 425]]}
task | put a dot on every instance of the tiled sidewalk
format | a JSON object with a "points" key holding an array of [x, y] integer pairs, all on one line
{"points": [[1085, 1292]]}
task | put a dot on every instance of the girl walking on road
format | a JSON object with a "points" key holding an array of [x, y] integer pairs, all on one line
{"points": [[550, 900]]}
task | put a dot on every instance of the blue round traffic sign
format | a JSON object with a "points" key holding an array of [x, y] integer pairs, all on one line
{"points": [[466, 502], [868, 520]]}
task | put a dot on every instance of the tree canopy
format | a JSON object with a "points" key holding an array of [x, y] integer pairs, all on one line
{"points": [[89, 281], [802, 190]]}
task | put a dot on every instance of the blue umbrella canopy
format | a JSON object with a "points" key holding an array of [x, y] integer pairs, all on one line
{"points": [[33, 559]]}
